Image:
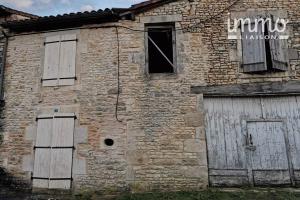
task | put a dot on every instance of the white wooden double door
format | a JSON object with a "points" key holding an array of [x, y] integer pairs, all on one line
{"points": [[253, 141], [54, 151]]}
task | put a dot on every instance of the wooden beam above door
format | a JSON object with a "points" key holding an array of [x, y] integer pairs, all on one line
{"points": [[285, 88]]}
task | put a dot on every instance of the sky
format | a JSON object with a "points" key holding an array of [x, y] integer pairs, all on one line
{"points": [[54, 7]]}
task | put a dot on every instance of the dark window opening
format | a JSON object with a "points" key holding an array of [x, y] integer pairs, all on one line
{"points": [[109, 142], [268, 49], [160, 50]]}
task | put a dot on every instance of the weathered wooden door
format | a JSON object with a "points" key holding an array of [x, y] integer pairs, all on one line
{"points": [[268, 158], [54, 152], [271, 124]]}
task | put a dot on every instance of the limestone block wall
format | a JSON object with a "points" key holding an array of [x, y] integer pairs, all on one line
{"points": [[159, 136], [208, 20]]}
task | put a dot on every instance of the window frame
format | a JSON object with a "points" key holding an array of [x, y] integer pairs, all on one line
{"points": [[160, 26]]}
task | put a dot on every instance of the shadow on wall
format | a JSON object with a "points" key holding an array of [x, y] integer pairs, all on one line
{"points": [[1, 121], [12, 188], [10, 182]]}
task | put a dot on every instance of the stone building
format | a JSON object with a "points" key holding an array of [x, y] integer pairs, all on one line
{"points": [[158, 96], [7, 14]]}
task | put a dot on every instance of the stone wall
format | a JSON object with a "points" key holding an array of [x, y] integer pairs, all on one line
{"points": [[211, 27], [159, 138]]}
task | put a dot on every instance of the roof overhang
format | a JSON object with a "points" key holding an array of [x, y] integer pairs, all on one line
{"points": [[62, 21], [79, 19], [4, 11]]}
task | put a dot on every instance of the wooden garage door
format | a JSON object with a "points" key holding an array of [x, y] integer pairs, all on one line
{"points": [[253, 140]]}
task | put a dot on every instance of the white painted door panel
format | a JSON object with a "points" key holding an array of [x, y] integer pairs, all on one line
{"points": [[54, 152], [61, 168], [41, 168], [63, 132]]}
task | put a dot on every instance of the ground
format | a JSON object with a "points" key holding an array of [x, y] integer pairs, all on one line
{"points": [[211, 194], [270, 194]]}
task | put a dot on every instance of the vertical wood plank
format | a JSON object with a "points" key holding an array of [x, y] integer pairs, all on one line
{"points": [[215, 135], [51, 60], [41, 168], [67, 60]]}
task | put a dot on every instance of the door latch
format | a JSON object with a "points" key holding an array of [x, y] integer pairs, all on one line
{"points": [[250, 145]]}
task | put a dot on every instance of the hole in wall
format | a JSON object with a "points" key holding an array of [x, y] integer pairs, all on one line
{"points": [[109, 142]]}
